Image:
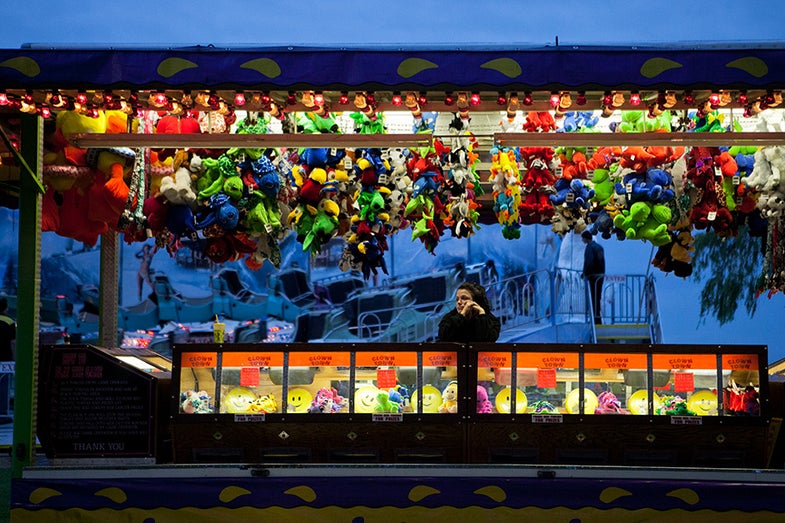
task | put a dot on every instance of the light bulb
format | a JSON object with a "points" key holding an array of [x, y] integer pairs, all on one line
{"points": [[635, 98], [318, 98], [422, 99], [581, 98], [475, 99], [449, 99], [3, 98], [239, 98], [527, 98], [501, 99], [555, 99], [344, 98], [396, 99]]}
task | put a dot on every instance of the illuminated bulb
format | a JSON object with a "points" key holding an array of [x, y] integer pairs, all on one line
{"points": [[81, 98], [291, 98], [370, 98], [45, 112], [769, 98], [318, 98], [527, 98], [689, 99], [635, 98], [265, 99], [3, 98], [160, 98], [714, 100], [108, 96], [501, 99], [449, 99], [555, 99], [239, 98], [56, 99], [396, 99], [475, 99], [343, 99], [422, 99], [581, 98], [743, 97], [607, 98], [28, 97]]}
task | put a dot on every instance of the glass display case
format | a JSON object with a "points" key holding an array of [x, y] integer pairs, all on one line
{"points": [[638, 380], [296, 380]]}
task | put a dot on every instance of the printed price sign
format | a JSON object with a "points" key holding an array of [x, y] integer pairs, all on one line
{"points": [[684, 382], [249, 377], [546, 378]]}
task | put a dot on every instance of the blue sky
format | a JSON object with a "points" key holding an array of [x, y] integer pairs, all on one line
{"points": [[575, 22], [459, 22]]}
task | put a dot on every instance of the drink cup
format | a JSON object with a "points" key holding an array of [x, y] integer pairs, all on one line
{"points": [[218, 332]]}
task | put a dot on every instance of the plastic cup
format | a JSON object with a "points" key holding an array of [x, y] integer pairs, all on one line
{"points": [[218, 332]]}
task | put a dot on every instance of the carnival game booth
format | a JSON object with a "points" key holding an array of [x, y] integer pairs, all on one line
{"points": [[241, 147], [449, 403]]}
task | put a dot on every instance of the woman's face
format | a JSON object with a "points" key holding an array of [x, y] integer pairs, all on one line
{"points": [[461, 297]]}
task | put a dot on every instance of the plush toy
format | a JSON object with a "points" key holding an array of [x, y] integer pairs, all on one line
{"points": [[571, 193], [177, 188], [608, 403], [326, 401], [384, 403], [449, 399], [484, 406], [603, 186], [264, 405], [193, 402]]}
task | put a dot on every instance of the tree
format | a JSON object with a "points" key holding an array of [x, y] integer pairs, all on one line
{"points": [[730, 268]]}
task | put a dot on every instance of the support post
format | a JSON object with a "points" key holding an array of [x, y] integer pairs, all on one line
{"points": [[28, 296]]}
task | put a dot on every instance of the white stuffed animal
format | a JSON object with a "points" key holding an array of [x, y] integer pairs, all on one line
{"points": [[177, 188]]}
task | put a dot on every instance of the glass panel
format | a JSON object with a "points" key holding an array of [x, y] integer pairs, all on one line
{"points": [[550, 383], [619, 381], [691, 386], [740, 385], [494, 395], [318, 383], [248, 385], [197, 382], [386, 383]]}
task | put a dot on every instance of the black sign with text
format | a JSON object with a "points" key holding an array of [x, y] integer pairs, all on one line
{"points": [[91, 405]]}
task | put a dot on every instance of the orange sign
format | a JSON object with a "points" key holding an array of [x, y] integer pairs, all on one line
{"points": [[252, 359], [385, 359], [494, 359], [319, 359], [684, 361], [192, 360], [740, 361], [614, 361], [439, 359], [548, 360]]}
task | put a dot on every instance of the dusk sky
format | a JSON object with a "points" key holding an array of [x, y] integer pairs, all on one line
{"points": [[575, 22]]}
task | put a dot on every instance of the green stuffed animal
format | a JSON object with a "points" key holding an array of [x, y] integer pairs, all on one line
{"points": [[655, 228], [603, 186]]}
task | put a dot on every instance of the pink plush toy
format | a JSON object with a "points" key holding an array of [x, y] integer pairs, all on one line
{"points": [[608, 403], [483, 404]]}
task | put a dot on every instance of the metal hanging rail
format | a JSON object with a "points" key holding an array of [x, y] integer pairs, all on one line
{"points": [[639, 139], [226, 141]]}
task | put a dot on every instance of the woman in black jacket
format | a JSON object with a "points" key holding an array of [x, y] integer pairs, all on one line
{"points": [[471, 320]]}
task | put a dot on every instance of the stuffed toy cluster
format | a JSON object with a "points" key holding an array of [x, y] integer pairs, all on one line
{"points": [[87, 190]]}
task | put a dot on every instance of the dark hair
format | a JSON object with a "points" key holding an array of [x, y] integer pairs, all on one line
{"points": [[478, 294], [586, 235]]}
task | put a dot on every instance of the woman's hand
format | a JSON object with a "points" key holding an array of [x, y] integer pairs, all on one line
{"points": [[471, 309]]}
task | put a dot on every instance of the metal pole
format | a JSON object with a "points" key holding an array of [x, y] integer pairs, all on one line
{"points": [[28, 296]]}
